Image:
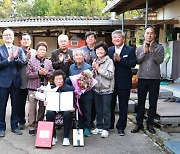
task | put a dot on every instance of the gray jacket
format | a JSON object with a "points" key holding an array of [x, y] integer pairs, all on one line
{"points": [[105, 76], [23, 69], [149, 63]]}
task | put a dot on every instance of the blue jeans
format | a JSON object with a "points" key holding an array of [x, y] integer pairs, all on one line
{"points": [[103, 110]]}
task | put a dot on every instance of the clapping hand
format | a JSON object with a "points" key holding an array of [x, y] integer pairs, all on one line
{"points": [[85, 56], [45, 103], [148, 46], [151, 46], [29, 54], [61, 57], [117, 57], [95, 66], [72, 110], [15, 53], [42, 71], [68, 59], [10, 55]]}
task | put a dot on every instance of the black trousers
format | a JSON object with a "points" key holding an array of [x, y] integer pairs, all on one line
{"points": [[145, 86], [84, 120], [67, 121], [93, 113], [21, 105], [123, 98], [4, 95]]}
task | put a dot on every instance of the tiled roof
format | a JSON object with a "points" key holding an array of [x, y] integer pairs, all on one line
{"points": [[57, 21]]}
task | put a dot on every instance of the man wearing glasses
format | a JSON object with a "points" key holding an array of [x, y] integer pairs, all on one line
{"points": [[10, 81]]}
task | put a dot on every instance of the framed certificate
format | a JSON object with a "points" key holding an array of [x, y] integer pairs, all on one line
{"points": [[59, 101]]}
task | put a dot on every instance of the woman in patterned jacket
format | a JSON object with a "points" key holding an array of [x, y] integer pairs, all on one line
{"points": [[39, 69]]}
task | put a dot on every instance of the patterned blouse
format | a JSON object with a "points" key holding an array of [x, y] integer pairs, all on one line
{"points": [[32, 73]]}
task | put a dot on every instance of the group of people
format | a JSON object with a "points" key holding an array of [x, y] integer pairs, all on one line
{"points": [[23, 70]]}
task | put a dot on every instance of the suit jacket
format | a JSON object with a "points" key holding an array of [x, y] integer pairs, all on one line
{"points": [[10, 70], [123, 75], [61, 66], [23, 68]]}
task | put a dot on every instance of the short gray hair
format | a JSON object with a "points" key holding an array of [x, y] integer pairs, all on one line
{"points": [[118, 32], [63, 37], [82, 51], [8, 29]]}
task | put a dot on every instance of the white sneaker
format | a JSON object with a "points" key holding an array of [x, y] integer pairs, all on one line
{"points": [[66, 142], [96, 131], [54, 140], [104, 134]]}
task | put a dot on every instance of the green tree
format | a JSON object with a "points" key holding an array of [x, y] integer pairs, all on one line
{"points": [[94, 7], [40, 7], [22, 8], [6, 9], [76, 7], [134, 14]]}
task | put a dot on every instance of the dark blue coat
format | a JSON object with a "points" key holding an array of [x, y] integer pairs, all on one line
{"points": [[123, 76], [9, 70]]}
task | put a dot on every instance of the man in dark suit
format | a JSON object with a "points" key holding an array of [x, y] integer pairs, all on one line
{"points": [[10, 81], [124, 59], [62, 57]]}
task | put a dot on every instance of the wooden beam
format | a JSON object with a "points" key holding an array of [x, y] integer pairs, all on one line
{"points": [[151, 22], [127, 7]]}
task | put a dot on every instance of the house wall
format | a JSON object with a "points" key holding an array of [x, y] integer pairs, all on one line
{"points": [[51, 41], [170, 11]]}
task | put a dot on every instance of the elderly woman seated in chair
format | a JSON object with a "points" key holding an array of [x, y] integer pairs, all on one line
{"points": [[59, 78]]}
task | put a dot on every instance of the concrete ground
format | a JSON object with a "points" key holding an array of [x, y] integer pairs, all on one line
{"points": [[138, 143]]}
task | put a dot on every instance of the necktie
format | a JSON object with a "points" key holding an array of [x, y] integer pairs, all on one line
{"points": [[9, 50]]}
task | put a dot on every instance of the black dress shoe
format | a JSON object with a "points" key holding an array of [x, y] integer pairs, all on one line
{"points": [[151, 129], [121, 132], [2, 133], [137, 128], [17, 131]]}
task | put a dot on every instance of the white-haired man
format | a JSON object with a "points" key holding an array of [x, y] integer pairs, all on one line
{"points": [[10, 81], [62, 57]]}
